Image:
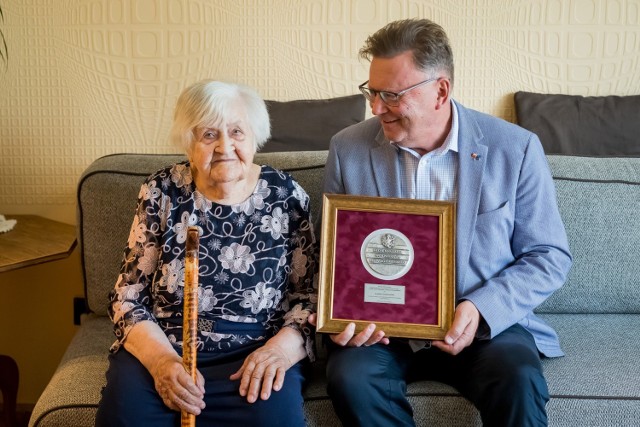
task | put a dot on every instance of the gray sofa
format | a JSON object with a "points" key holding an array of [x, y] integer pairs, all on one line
{"points": [[597, 312]]}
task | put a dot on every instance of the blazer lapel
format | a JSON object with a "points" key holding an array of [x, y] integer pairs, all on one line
{"points": [[384, 161], [472, 159]]}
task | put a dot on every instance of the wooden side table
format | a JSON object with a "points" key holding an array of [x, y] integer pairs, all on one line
{"points": [[33, 240]]}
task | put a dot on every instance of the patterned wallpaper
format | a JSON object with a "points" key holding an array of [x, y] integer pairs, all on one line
{"points": [[87, 78]]}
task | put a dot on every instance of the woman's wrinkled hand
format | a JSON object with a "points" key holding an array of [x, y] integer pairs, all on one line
{"points": [[176, 387], [263, 371]]}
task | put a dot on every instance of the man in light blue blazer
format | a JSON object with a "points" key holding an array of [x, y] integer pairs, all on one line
{"points": [[511, 247]]}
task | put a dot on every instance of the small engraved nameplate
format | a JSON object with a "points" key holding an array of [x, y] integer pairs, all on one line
{"points": [[385, 294]]}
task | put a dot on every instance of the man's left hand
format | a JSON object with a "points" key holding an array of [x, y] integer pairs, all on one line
{"points": [[462, 331]]}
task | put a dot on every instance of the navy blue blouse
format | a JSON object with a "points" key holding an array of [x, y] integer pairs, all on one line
{"points": [[257, 260]]}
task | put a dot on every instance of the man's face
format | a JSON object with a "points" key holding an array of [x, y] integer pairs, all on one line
{"points": [[414, 123]]}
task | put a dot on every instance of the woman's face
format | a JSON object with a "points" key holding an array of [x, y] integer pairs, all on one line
{"points": [[224, 153]]}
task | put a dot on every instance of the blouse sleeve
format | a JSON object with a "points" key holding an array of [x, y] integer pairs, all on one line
{"points": [[303, 295], [131, 298]]}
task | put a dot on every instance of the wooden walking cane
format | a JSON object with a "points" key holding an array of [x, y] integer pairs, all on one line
{"points": [[190, 312]]}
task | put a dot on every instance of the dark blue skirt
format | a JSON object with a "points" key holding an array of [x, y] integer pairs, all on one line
{"points": [[130, 397]]}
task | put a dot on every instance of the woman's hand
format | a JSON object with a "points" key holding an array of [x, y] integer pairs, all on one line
{"points": [[264, 370], [148, 343], [176, 387]]}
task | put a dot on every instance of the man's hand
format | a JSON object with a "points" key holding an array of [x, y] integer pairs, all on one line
{"points": [[369, 336], [462, 331], [175, 386]]}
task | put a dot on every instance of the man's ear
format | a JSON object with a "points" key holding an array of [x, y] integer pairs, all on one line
{"points": [[444, 91]]}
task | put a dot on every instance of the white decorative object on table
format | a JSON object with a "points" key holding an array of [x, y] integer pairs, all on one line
{"points": [[6, 224]]}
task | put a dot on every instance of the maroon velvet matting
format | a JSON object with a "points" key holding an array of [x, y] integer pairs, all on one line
{"points": [[420, 282]]}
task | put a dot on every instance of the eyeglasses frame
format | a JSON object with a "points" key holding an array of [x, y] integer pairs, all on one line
{"points": [[370, 94]]}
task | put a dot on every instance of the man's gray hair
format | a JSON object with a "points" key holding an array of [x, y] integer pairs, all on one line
{"points": [[424, 38]]}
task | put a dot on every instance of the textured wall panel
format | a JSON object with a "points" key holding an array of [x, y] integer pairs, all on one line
{"points": [[92, 77]]}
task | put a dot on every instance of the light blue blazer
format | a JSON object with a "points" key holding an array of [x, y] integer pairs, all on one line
{"points": [[511, 247]]}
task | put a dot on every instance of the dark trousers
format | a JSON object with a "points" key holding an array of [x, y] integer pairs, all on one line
{"points": [[130, 398], [502, 377]]}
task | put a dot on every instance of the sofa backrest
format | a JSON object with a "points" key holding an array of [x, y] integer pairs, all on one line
{"points": [[598, 199], [107, 194]]}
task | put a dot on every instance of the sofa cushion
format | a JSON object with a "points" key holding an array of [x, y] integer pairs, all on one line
{"points": [[308, 125], [595, 383], [598, 200], [577, 125], [600, 352]]}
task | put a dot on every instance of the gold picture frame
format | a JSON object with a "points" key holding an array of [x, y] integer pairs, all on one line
{"points": [[387, 261]]}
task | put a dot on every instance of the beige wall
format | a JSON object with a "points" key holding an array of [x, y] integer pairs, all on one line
{"points": [[87, 78]]}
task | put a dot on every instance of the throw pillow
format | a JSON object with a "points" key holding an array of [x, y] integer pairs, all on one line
{"points": [[578, 125], [308, 125]]}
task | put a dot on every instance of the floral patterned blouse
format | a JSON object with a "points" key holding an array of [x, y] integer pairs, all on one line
{"points": [[256, 262]]}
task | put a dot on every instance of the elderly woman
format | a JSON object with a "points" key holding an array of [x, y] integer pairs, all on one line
{"points": [[256, 266]]}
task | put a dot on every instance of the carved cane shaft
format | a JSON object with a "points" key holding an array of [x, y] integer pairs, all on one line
{"points": [[190, 312]]}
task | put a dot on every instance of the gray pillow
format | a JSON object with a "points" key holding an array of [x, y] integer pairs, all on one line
{"points": [[578, 125], [308, 125]]}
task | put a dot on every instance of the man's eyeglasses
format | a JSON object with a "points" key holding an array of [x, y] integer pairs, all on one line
{"points": [[392, 99]]}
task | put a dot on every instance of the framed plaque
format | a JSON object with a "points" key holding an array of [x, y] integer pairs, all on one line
{"points": [[387, 261]]}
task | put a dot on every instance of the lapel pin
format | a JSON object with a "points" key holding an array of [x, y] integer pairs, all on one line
{"points": [[475, 156]]}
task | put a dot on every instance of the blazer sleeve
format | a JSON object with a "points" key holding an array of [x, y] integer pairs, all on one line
{"points": [[332, 175], [539, 246]]}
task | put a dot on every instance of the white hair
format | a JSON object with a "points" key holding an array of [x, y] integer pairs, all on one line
{"points": [[210, 103]]}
